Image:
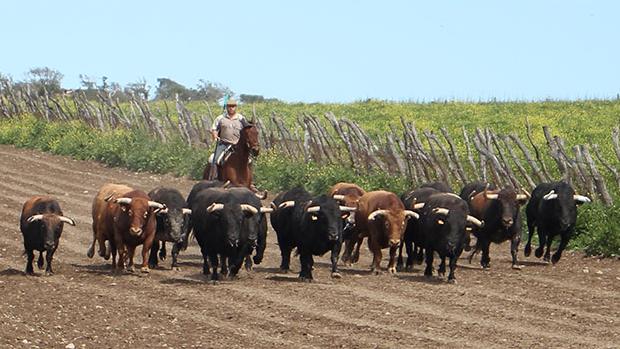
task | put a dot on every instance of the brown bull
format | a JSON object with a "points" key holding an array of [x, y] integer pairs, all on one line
{"points": [[127, 220], [382, 217], [102, 232], [348, 194]]}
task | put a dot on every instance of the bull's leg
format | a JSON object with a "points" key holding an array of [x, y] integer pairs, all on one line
{"points": [[261, 243], [29, 268], [451, 277], [153, 255], [356, 254], [40, 260], [205, 259], [162, 252], [547, 256], [175, 255], [348, 249], [376, 256], [514, 249], [48, 259], [428, 271], [467, 242], [530, 231], [399, 261], [441, 271], [224, 263], [334, 258], [418, 254], [108, 244], [392, 262], [214, 260], [485, 260], [411, 255], [131, 250], [146, 249], [285, 252], [563, 242], [91, 250], [102, 248], [542, 240], [306, 261], [248, 263], [474, 252]]}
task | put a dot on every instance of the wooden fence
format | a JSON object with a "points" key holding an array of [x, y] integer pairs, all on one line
{"points": [[420, 156]]}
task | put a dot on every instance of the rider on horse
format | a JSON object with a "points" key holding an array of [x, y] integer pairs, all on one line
{"points": [[226, 129]]}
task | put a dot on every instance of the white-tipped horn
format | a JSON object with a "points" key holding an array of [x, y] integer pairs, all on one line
{"points": [[248, 208], [186, 211], [266, 209], [522, 197], [156, 204], [409, 213], [273, 206], [418, 206], [215, 207], [36, 217], [441, 210], [348, 209], [475, 221], [491, 196], [161, 210], [338, 197], [376, 213], [226, 184], [581, 198], [550, 195], [67, 220], [312, 209], [286, 204], [126, 201]]}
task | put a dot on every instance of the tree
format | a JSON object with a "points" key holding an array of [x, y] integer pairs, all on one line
{"points": [[45, 79], [168, 89], [213, 92], [244, 98], [139, 88]]}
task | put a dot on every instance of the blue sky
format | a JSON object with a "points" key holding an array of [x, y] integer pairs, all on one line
{"points": [[327, 51]]}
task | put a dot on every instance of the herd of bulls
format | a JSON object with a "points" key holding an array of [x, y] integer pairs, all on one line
{"points": [[230, 225]]}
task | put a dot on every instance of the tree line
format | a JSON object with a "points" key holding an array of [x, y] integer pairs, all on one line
{"points": [[45, 80]]}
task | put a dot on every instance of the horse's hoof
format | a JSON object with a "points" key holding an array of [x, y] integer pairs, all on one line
{"points": [[517, 266], [336, 275]]}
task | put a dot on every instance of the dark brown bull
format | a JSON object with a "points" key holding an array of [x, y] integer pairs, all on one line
{"points": [[102, 232], [41, 223], [128, 220], [348, 194], [382, 217]]}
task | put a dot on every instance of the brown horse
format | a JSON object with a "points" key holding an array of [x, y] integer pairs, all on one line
{"points": [[236, 168]]}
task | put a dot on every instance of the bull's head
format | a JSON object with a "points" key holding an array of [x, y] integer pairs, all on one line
{"points": [[230, 217], [138, 210], [394, 223], [565, 201], [174, 223], [453, 225], [507, 201], [51, 227]]}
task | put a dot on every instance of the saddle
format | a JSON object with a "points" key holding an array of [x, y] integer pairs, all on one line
{"points": [[223, 157]]}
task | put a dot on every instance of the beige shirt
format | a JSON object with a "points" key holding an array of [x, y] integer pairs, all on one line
{"points": [[228, 128]]}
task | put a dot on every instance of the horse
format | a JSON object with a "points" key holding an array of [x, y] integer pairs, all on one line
{"points": [[236, 169]]}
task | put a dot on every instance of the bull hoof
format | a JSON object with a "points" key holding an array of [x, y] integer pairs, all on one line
{"points": [[305, 279], [452, 281], [392, 270], [283, 271], [90, 253], [347, 263], [145, 270], [517, 266], [409, 268], [527, 251], [176, 268], [555, 259], [49, 273], [486, 267], [538, 252], [336, 275]]}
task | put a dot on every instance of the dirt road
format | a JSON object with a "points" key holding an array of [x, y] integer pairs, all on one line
{"points": [[575, 304]]}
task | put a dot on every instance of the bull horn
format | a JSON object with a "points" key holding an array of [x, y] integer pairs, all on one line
{"points": [[581, 198], [266, 209], [418, 206], [186, 211], [491, 196], [286, 204], [550, 195], [410, 213], [338, 197], [36, 217], [157, 205], [248, 208], [126, 201], [522, 197], [215, 207], [474, 220], [226, 184], [376, 213], [67, 220], [526, 192], [313, 209], [107, 198], [262, 196], [273, 206], [441, 210], [162, 210], [348, 209]]}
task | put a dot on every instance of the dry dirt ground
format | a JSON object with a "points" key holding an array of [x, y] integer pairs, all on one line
{"points": [[575, 304]]}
